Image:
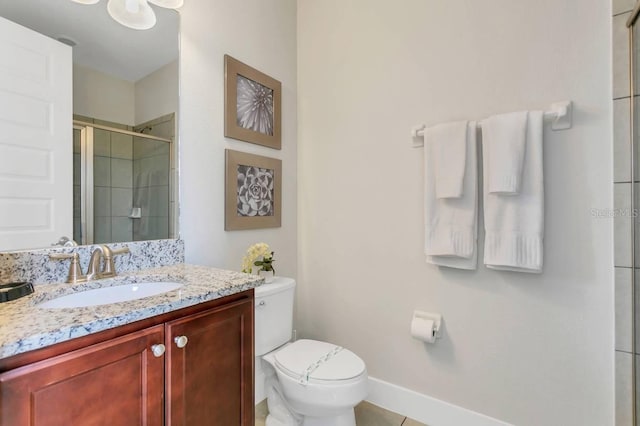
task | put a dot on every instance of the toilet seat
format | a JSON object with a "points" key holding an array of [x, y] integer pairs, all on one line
{"points": [[313, 361]]}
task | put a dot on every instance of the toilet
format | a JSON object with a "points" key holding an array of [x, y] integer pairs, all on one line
{"points": [[306, 382]]}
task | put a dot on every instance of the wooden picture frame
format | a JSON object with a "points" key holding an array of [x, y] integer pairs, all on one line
{"points": [[253, 191], [252, 105]]}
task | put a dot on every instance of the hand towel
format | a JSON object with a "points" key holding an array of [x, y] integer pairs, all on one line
{"points": [[514, 224], [503, 147], [457, 262], [451, 225], [449, 148]]}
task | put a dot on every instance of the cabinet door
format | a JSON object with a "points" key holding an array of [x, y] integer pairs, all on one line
{"points": [[117, 382], [210, 379]]}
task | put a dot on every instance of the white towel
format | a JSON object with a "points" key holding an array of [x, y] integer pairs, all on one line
{"points": [[451, 224], [503, 147], [514, 224], [449, 149], [456, 262]]}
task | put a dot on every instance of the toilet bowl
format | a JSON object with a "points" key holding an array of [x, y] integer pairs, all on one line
{"points": [[307, 382]]}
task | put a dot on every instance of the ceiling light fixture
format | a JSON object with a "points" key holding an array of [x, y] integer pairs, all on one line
{"points": [[169, 4], [136, 14]]}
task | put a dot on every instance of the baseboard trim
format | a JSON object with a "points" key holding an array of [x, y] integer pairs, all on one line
{"points": [[423, 408]]}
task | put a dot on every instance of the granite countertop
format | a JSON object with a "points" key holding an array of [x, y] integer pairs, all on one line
{"points": [[25, 327]]}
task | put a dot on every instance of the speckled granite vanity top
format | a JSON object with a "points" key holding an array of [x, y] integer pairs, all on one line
{"points": [[25, 326]]}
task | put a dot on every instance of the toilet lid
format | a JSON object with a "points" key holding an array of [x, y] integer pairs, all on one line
{"points": [[314, 360]]}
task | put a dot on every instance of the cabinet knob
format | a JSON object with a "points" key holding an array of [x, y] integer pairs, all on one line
{"points": [[181, 341], [158, 350]]}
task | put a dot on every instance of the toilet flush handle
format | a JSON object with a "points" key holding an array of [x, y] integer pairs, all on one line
{"points": [[262, 303], [181, 341]]}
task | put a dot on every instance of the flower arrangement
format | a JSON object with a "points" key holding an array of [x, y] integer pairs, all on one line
{"points": [[251, 259]]}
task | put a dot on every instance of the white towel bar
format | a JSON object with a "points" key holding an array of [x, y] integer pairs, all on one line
{"points": [[560, 115]]}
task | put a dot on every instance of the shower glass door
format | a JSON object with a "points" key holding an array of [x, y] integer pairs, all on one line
{"points": [[121, 185]]}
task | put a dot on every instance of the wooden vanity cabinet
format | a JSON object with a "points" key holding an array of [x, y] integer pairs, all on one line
{"points": [[205, 376], [220, 390], [118, 382]]}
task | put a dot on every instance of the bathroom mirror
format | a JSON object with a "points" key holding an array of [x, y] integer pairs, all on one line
{"points": [[125, 106]]}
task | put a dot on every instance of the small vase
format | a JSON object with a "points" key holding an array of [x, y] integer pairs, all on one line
{"points": [[267, 275]]}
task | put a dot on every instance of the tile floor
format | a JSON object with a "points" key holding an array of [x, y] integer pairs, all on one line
{"points": [[366, 415]]}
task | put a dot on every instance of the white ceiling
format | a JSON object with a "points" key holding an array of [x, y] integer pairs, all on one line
{"points": [[102, 43]]}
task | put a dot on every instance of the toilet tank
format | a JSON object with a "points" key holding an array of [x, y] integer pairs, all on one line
{"points": [[273, 314]]}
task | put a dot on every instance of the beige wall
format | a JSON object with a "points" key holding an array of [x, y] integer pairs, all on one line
{"points": [[157, 94], [99, 95], [526, 349], [261, 33], [96, 94]]}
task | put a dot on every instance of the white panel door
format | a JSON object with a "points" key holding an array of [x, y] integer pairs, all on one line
{"points": [[36, 164]]}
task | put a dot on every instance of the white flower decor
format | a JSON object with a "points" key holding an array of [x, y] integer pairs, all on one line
{"points": [[253, 254]]}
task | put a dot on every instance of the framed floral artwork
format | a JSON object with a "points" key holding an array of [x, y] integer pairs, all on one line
{"points": [[252, 105], [253, 191]]}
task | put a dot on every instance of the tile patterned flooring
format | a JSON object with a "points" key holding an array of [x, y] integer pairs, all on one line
{"points": [[367, 414]]}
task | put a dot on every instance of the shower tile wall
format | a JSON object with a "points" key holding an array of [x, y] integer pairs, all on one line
{"points": [[112, 182], [151, 161], [113, 186], [622, 216]]}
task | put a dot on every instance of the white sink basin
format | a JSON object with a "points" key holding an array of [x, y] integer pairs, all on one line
{"points": [[107, 295]]}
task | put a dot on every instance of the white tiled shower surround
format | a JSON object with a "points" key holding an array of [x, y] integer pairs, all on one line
{"points": [[623, 222]]}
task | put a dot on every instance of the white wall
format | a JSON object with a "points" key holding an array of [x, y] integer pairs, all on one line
{"points": [[157, 94], [261, 33], [527, 349], [102, 96]]}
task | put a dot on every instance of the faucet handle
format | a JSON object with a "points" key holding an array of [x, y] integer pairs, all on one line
{"points": [[75, 271], [62, 256], [123, 250]]}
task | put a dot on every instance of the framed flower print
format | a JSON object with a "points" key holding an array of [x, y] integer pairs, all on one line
{"points": [[253, 191], [252, 105]]}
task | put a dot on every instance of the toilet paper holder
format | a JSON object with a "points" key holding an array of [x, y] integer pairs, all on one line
{"points": [[436, 318]]}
